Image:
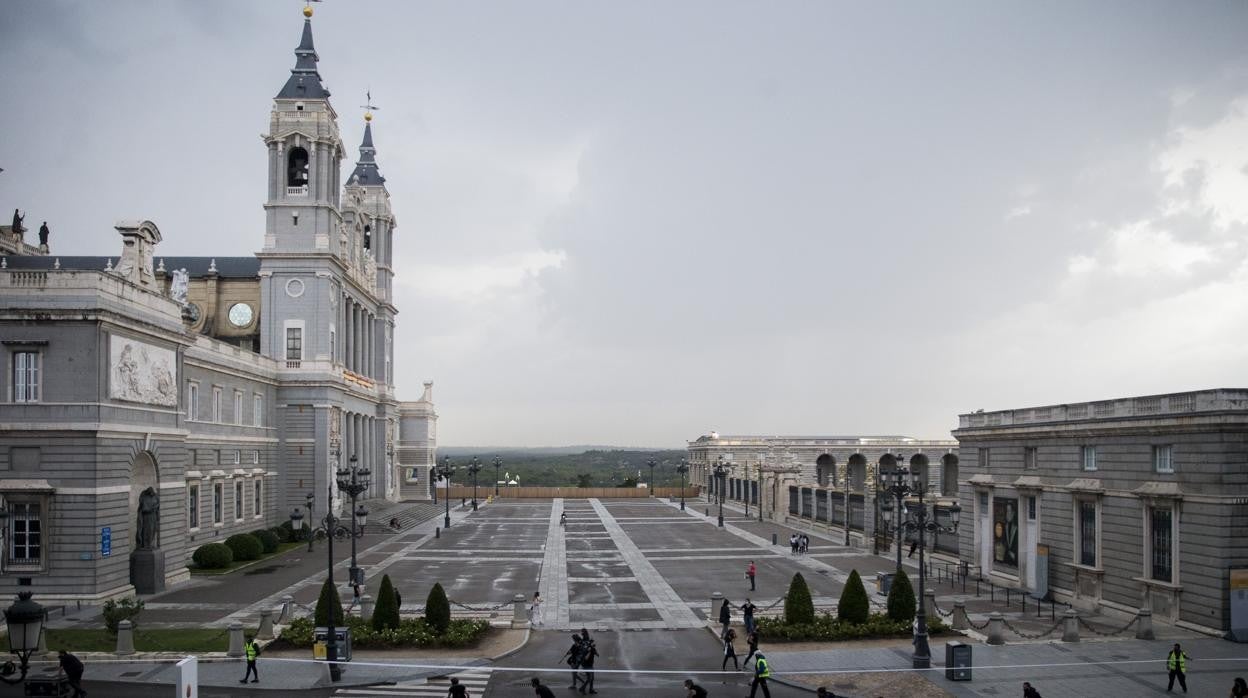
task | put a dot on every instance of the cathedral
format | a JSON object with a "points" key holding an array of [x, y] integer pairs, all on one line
{"points": [[204, 396]]}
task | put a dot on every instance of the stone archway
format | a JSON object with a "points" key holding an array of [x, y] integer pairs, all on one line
{"points": [[825, 470], [147, 561], [949, 475], [919, 470], [857, 472]]}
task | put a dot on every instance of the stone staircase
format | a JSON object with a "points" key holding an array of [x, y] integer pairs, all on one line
{"points": [[409, 514]]}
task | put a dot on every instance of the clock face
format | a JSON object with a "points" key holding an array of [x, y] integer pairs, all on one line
{"points": [[240, 315]]}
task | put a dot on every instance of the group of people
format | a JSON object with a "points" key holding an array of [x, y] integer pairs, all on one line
{"points": [[580, 657], [799, 544]]}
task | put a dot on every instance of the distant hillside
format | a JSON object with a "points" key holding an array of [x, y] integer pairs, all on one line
{"points": [[568, 466]]}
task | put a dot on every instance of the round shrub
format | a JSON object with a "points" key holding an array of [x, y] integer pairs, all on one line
{"points": [[212, 556], [901, 604], [283, 534], [244, 546], [798, 606], [438, 609], [268, 541], [853, 606]]}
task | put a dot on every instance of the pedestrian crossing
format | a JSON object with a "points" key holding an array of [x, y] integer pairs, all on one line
{"points": [[474, 681]]}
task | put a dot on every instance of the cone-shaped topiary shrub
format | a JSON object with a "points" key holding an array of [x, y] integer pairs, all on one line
{"points": [[437, 609], [386, 613], [327, 603], [798, 607], [853, 606], [901, 598]]}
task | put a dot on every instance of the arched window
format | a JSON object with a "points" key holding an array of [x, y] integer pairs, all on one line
{"points": [[919, 470], [857, 472], [297, 168], [949, 475], [825, 470]]}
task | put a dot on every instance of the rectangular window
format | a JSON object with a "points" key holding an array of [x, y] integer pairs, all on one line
{"points": [[1089, 457], [1161, 541], [294, 343], [1087, 533], [983, 459], [333, 344], [26, 537], [1163, 461], [257, 496], [1031, 508], [237, 457], [255, 458], [238, 499], [218, 493], [238, 407], [192, 506], [26, 376], [216, 404], [1029, 458], [257, 411], [192, 401]]}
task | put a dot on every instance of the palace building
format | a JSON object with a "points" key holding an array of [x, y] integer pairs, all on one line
{"points": [[233, 386]]}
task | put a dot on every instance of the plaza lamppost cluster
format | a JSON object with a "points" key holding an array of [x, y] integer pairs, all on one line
{"points": [[353, 481], [920, 520], [683, 469], [445, 471], [721, 472], [474, 467], [498, 463], [25, 624]]}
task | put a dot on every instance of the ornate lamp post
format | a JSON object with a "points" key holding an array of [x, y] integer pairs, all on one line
{"points": [[498, 463], [683, 469], [922, 521], [745, 487], [474, 467], [25, 622], [353, 481], [332, 527], [445, 471], [721, 470], [652, 462]]}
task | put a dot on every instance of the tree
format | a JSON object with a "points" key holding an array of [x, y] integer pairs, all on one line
{"points": [[853, 606], [386, 613], [328, 600], [629, 482], [901, 598], [437, 609], [799, 609], [584, 480]]}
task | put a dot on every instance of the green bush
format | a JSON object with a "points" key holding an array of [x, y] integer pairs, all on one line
{"points": [[283, 534], [411, 632], [853, 606], [328, 601], [117, 611], [798, 606], [827, 628], [244, 546], [386, 612], [438, 609], [294, 535], [213, 556], [268, 541], [901, 599]]}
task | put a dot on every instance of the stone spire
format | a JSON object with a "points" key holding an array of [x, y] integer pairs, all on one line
{"points": [[304, 82], [366, 173]]}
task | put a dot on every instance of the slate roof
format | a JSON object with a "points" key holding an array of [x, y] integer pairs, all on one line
{"points": [[366, 173], [227, 267], [304, 82]]}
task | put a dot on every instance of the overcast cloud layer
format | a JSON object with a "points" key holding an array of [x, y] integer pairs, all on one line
{"points": [[632, 223]]}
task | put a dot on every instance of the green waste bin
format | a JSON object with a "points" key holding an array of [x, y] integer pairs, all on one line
{"points": [[958, 661]]}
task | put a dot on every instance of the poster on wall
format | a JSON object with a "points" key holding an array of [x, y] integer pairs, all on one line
{"points": [[1005, 531]]}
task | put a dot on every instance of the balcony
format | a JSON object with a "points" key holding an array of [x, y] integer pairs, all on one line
{"points": [[297, 191]]}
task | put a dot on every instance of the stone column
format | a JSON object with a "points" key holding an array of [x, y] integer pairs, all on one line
{"points": [[125, 637], [929, 602], [265, 632], [366, 607], [960, 621], [236, 640], [519, 615], [996, 629], [717, 600], [348, 335], [1071, 631], [1144, 631]]}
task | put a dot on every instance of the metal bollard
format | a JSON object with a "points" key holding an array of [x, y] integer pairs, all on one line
{"points": [[773, 539], [519, 615], [437, 532], [717, 600], [265, 632], [236, 640], [125, 637], [996, 629], [1071, 631], [960, 621], [366, 607], [1145, 629]]}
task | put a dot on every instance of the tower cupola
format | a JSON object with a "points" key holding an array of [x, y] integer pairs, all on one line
{"points": [[305, 81]]}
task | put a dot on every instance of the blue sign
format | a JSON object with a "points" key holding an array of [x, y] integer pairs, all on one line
{"points": [[106, 541]]}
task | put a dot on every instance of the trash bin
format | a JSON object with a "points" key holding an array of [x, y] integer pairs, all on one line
{"points": [[958, 661], [884, 582], [53, 686]]}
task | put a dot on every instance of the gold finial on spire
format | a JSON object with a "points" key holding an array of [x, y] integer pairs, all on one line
{"points": [[368, 106], [307, 8]]}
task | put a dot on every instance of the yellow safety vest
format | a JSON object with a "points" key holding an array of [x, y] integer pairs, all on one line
{"points": [[762, 668], [1179, 659], [251, 652]]}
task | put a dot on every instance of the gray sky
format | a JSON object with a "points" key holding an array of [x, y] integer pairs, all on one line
{"points": [[632, 223]]}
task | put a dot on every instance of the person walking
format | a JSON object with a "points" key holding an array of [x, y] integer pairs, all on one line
{"points": [[72, 666], [693, 690], [535, 610], [1240, 689], [563, 519], [747, 615], [539, 689], [1029, 692], [751, 640], [252, 650], [761, 673], [573, 658], [725, 617], [1176, 664], [750, 572], [730, 651], [793, 543], [588, 652], [457, 690], [805, 543]]}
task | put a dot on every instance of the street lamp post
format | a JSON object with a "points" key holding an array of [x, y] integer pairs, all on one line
{"points": [[848, 470], [25, 623], [445, 471], [498, 463], [721, 470], [296, 518], [745, 487], [652, 462], [921, 521], [353, 481], [474, 467], [683, 469]]}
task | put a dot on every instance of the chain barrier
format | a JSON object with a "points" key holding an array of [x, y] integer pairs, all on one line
{"points": [[1109, 633], [1033, 636], [977, 626], [498, 607], [940, 611]]}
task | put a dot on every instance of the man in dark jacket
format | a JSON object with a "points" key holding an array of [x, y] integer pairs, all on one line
{"points": [[72, 666], [540, 690], [573, 658]]}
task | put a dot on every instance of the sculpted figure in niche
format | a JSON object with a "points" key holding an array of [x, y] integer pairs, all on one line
{"points": [[149, 520]]}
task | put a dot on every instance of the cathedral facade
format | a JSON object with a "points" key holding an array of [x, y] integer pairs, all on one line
{"points": [[232, 387]]}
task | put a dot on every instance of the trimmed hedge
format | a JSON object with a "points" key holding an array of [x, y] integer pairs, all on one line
{"points": [[411, 632], [386, 613], [901, 606], [244, 546], [325, 602], [798, 606], [213, 556], [268, 541], [853, 606], [283, 534], [438, 609], [827, 628]]}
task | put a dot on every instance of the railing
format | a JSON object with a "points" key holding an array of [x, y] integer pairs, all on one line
{"points": [[28, 278], [293, 363], [297, 191]]}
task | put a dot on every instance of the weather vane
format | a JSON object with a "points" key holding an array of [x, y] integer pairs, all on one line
{"points": [[368, 105]]}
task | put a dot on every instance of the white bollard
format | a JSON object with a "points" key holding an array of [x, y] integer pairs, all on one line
{"points": [[236, 640], [265, 632], [125, 637]]}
